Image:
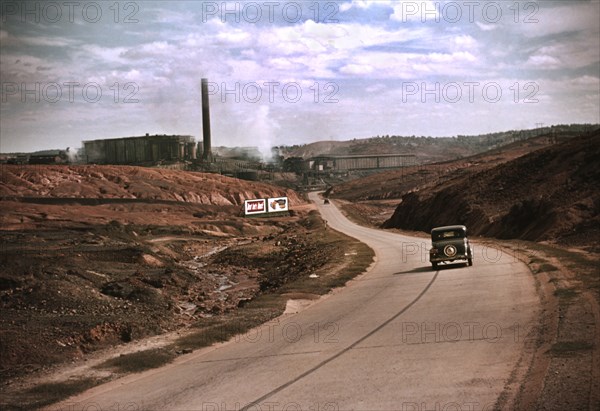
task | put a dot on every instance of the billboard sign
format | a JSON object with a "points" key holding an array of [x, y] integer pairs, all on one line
{"points": [[277, 204], [265, 206], [255, 206]]}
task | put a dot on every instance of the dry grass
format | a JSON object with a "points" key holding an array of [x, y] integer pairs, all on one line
{"points": [[139, 361], [49, 393], [568, 348], [565, 293], [583, 265], [220, 329], [547, 267], [355, 259]]}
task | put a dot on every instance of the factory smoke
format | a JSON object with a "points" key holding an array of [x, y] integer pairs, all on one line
{"points": [[262, 131]]}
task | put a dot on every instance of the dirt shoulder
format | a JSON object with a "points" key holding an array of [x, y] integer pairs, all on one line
{"points": [[564, 372]]}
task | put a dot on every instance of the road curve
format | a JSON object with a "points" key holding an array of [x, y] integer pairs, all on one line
{"points": [[401, 337]]}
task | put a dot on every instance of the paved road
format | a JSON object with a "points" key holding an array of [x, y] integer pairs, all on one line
{"points": [[401, 337]]}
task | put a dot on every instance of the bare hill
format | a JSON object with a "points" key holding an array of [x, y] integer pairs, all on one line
{"points": [[549, 194], [431, 149], [397, 183], [126, 182], [95, 256]]}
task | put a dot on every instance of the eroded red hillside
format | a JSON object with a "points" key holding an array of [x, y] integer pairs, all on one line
{"points": [[108, 182], [549, 194]]}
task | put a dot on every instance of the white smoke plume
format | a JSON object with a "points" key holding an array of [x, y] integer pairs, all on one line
{"points": [[261, 131], [72, 155]]}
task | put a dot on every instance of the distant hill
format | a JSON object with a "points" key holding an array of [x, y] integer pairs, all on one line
{"points": [[429, 149], [395, 184]]}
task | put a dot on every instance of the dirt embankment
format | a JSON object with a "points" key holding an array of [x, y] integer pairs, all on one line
{"points": [[127, 182], [94, 256], [549, 194], [396, 183]]}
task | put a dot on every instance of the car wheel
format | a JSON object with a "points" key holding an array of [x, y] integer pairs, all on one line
{"points": [[470, 262], [434, 265]]}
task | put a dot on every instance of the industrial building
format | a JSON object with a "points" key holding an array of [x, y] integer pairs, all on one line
{"points": [[156, 149], [140, 150], [49, 157], [345, 163]]}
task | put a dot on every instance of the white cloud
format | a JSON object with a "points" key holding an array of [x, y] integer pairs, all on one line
{"points": [[577, 16], [587, 81], [543, 61], [412, 65], [364, 4], [375, 88], [25, 68], [571, 53], [90, 52], [282, 63], [465, 42], [149, 50], [248, 70], [169, 16], [357, 69], [453, 58], [320, 37], [235, 37], [39, 41], [566, 86], [487, 27]]}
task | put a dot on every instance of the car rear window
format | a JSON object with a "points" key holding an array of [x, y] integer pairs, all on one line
{"points": [[443, 235]]}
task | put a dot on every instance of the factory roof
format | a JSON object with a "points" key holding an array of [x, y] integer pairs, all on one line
{"points": [[145, 136]]}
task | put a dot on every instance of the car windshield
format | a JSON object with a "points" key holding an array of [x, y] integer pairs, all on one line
{"points": [[444, 235]]}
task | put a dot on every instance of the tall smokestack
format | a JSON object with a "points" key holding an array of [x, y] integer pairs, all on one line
{"points": [[206, 154]]}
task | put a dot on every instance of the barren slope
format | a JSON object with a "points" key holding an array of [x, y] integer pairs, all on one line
{"points": [[397, 183], [98, 255], [549, 194], [127, 182]]}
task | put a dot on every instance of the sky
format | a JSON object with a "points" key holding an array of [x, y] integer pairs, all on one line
{"points": [[293, 72]]}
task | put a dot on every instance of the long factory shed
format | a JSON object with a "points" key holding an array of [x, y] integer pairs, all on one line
{"points": [[360, 162]]}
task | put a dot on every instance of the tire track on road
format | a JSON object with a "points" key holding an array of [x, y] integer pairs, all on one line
{"points": [[342, 352]]}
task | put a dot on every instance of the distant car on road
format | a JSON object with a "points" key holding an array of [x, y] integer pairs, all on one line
{"points": [[449, 244], [326, 201]]}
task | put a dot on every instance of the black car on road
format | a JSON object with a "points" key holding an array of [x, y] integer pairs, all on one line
{"points": [[449, 244]]}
